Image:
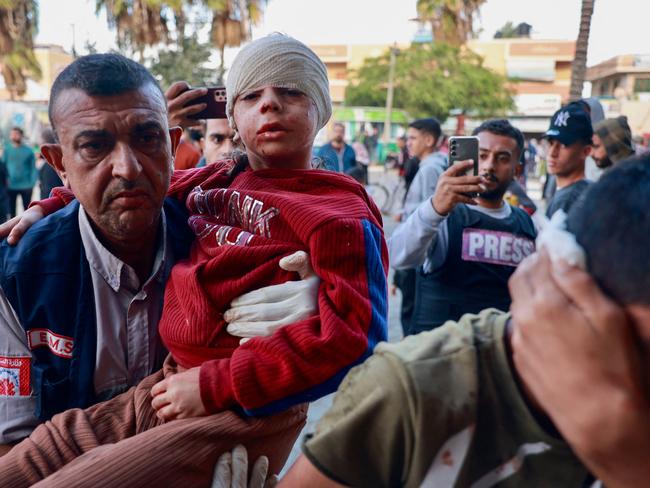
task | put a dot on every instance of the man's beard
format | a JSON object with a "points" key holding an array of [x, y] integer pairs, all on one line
{"points": [[498, 192], [604, 163]]}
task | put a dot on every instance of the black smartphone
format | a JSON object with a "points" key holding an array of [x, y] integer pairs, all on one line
{"points": [[462, 148], [216, 104]]}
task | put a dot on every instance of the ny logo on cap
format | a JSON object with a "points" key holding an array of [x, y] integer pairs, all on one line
{"points": [[561, 119]]}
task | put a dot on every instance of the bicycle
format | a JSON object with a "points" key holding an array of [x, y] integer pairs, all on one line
{"points": [[387, 198]]}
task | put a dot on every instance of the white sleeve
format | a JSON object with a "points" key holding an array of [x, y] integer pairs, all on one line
{"points": [[407, 247], [17, 403]]}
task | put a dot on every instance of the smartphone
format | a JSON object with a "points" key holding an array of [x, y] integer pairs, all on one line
{"points": [[216, 104], [462, 148]]}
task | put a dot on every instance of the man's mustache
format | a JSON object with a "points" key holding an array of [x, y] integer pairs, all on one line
{"points": [[125, 185], [490, 177]]}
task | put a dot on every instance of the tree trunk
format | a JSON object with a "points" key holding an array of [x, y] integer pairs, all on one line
{"points": [[222, 66], [582, 45]]}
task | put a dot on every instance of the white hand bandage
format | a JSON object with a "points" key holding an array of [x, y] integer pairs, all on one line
{"points": [[559, 242], [261, 312]]}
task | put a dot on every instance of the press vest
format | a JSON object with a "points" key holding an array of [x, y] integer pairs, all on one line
{"points": [[47, 281], [482, 254]]}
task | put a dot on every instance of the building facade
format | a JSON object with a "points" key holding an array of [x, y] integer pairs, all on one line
{"points": [[52, 59], [625, 76], [539, 70], [539, 74], [622, 84]]}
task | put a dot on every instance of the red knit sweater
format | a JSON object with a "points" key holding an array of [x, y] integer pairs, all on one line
{"points": [[243, 229]]}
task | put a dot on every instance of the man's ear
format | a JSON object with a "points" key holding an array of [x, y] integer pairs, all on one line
{"points": [[587, 150], [430, 141], [54, 157], [175, 134], [519, 169]]}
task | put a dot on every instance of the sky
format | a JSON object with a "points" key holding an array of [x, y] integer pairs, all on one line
{"points": [[618, 26]]}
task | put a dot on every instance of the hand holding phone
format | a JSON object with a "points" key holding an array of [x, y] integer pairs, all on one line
{"points": [[181, 104], [456, 186], [215, 104], [187, 105]]}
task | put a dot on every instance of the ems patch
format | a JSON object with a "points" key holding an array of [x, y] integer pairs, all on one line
{"points": [[14, 376], [60, 345]]}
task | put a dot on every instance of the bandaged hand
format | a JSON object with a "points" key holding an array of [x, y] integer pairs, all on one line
{"points": [[178, 396], [231, 471], [261, 312]]}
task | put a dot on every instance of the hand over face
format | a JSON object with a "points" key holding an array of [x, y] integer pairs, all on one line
{"points": [[178, 396], [577, 352]]}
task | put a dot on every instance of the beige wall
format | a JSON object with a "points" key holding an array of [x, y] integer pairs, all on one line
{"points": [[547, 59], [340, 59], [554, 57], [52, 59]]}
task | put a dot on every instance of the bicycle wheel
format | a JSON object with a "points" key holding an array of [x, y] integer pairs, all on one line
{"points": [[379, 194], [396, 201]]}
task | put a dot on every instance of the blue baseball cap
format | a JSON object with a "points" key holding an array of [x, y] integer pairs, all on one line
{"points": [[570, 124]]}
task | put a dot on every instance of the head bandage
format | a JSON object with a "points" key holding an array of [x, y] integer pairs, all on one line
{"points": [[559, 242], [280, 61]]}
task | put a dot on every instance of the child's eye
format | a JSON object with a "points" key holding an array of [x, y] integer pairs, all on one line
{"points": [[294, 93], [249, 96]]}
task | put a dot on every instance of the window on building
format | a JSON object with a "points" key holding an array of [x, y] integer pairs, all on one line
{"points": [[642, 85]]}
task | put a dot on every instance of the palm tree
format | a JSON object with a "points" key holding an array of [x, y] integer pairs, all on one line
{"points": [[452, 21], [142, 23], [137, 23], [18, 21], [231, 25], [582, 45]]}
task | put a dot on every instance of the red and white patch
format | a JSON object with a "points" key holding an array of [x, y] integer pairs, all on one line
{"points": [[14, 376], [60, 345]]}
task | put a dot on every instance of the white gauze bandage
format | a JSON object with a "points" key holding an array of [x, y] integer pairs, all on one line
{"points": [[558, 241], [280, 61]]}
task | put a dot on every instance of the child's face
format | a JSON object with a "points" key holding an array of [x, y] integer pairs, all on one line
{"points": [[277, 127]]}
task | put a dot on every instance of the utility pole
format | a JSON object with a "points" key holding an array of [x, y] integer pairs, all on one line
{"points": [[389, 95], [74, 43]]}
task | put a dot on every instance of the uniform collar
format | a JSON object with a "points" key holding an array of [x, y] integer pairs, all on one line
{"points": [[115, 272]]}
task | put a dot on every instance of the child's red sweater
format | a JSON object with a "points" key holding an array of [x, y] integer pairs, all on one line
{"points": [[243, 228]]}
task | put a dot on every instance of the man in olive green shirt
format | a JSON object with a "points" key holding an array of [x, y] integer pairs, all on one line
{"points": [[450, 407], [439, 409]]}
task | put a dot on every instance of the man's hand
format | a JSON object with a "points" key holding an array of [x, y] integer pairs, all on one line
{"points": [[178, 95], [15, 228], [453, 188], [178, 396], [261, 312], [577, 353], [231, 471]]}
